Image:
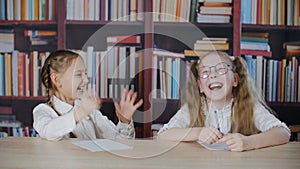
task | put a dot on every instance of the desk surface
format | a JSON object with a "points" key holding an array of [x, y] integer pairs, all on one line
{"points": [[26, 152]]}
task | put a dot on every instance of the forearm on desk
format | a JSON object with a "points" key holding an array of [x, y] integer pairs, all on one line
{"points": [[272, 137], [180, 134]]}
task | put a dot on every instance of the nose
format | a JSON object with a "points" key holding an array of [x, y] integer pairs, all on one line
{"points": [[85, 79], [213, 72]]}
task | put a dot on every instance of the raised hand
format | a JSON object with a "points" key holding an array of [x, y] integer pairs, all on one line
{"points": [[210, 135], [89, 102], [126, 108]]}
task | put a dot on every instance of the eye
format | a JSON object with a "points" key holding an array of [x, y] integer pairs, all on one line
{"points": [[204, 72], [221, 69], [204, 76]]}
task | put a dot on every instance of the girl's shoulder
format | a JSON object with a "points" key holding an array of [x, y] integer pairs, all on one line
{"points": [[42, 106]]}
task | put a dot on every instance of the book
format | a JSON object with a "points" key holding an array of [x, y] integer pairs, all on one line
{"points": [[114, 40], [215, 39], [161, 52], [212, 18], [225, 10], [34, 33], [211, 41], [221, 1], [192, 53], [254, 39], [256, 52], [255, 46], [199, 46], [256, 34]]}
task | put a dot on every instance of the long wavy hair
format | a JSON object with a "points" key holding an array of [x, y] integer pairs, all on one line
{"points": [[245, 96], [57, 62]]}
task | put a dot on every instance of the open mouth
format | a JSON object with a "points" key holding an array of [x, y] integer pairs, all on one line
{"points": [[215, 86]]}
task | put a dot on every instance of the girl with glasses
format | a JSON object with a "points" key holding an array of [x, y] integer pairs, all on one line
{"points": [[223, 105]]}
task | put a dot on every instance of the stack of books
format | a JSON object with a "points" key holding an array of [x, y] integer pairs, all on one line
{"points": [[253, 43], [214, 11], [292, 49], [41, 37]]}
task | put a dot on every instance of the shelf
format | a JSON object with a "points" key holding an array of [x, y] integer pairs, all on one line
{"points": [[27, 23], [284, 104], [119, 23], [270, 27], [22, 98], [189, 24]]}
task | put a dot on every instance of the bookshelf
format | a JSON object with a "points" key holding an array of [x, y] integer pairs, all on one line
{"points": [[278, 35], [281, 23], [75, 34]]}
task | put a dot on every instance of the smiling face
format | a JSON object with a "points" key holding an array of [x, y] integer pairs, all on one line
{"points": [[72, 83], [216, 79]]}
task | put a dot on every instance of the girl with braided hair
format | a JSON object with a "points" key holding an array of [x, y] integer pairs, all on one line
{"points": [[223, 105], [71, 110]]}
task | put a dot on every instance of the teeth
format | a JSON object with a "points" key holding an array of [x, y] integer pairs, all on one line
{"points": [[215, 86]]}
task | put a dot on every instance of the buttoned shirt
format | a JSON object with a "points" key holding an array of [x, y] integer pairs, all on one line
{"points": [[220, 119], [56, 125]]}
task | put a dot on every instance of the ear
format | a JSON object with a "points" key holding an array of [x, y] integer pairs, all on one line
{"points": [[200, 86], [55, 79], [236, 79]]}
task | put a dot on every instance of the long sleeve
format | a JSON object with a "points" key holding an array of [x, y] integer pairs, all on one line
{"points": [[51, 126], [180, 120], [264, 120], [108, 129]]}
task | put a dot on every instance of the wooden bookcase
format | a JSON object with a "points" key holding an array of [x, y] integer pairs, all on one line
{"points": [[278, 35], [74, 34]]}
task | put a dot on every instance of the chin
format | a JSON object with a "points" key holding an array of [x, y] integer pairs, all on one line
{"points": [[217, 98], [78, 95]]}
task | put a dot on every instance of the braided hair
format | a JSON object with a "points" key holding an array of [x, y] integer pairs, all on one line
{"points": [[57, 62]]}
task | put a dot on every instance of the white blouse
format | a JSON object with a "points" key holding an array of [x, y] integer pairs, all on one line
{"points": [[53, 127], [263, 119]]}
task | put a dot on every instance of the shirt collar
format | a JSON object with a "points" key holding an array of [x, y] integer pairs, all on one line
{"points": [[60, 106], [226, 109]]}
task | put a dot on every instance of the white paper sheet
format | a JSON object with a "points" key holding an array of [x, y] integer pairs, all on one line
{"points": [[214, 146], [101, 145]]}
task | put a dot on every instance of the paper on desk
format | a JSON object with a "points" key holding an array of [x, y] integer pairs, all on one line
{"points": [[214, 146], [101, 145]]}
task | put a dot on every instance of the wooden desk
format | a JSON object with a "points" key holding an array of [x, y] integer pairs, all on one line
{"points": [[26, 152]]}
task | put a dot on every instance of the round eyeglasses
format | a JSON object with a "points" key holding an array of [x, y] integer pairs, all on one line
{"points": [[220, 68]]}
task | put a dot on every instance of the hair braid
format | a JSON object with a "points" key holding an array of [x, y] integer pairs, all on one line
{"points": [[57, 62]]}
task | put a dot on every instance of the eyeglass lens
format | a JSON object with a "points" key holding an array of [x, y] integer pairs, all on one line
{"points": [[220, 68]]}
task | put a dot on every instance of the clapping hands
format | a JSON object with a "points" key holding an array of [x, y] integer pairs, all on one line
{"points": [[88, 102], [127, 106]]}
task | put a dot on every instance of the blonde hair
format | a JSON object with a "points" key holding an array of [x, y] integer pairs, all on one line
{"points": [[245, 96], [57, 62]]}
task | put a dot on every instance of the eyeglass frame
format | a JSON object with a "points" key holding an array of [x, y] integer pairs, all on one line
{"points": [[228, 67]]}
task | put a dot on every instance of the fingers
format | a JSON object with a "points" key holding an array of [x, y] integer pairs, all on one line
{"points": [[123, 95], [138, 104], [133, 98], [118, 108], [129, 95], [217, 133], [224, 138]]}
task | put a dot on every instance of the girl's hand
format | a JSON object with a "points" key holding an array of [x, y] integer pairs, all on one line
{"points": [[210, 135], [126, 108], [237, 142], [88, 102]]}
